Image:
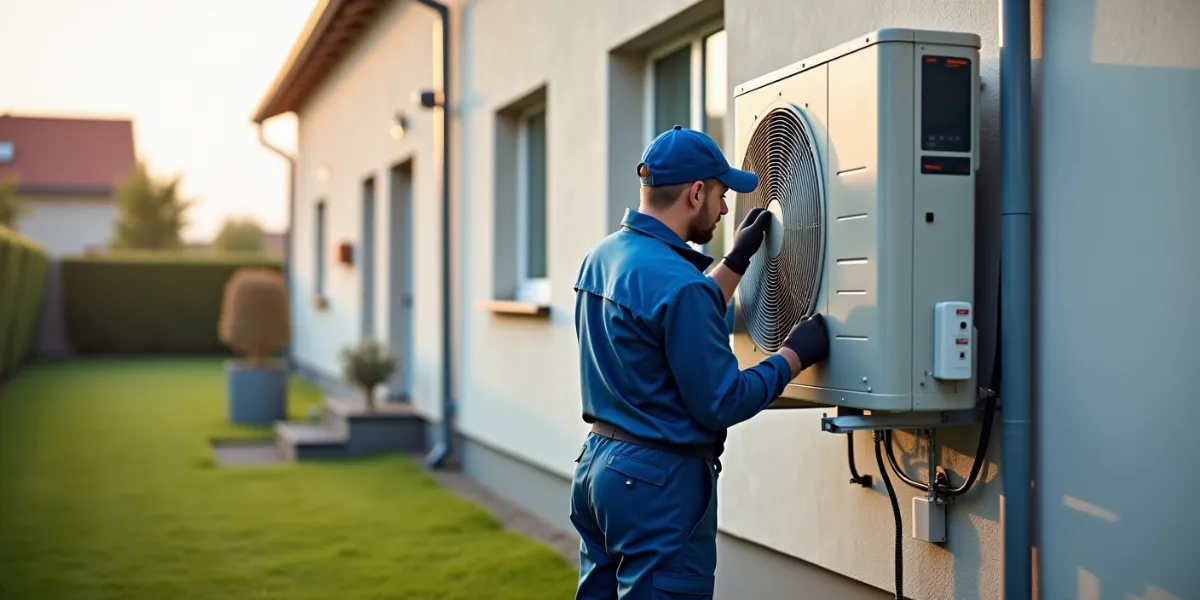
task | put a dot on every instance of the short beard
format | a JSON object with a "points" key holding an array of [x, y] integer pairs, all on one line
{"points": [[699, 232]]}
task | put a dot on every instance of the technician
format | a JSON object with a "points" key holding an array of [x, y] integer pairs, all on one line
{"points": [[660, 384]]}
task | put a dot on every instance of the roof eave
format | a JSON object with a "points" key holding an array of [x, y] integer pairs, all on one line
{"points": [[309, 38], [334, 26]]}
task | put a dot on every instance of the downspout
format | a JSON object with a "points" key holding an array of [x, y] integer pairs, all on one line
{"points": [[442, 450], [1016, 318], [287, 234]]}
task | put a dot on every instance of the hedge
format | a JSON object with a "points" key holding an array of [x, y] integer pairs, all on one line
{"points": [[23, 266], [140, 303]]}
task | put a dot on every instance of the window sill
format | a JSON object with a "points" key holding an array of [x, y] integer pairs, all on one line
{"points": [[516, 307]]}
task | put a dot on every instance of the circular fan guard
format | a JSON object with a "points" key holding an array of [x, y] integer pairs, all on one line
{"points": [[776, 292]]}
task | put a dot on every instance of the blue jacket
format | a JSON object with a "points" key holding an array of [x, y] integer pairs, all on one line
{"points": [[654, 345]]}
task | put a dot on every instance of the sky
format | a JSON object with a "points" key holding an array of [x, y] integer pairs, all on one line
{"points": [[188, 72]]}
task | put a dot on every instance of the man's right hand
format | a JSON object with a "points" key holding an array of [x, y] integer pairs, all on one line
{"points": [[809, 340], [750, 236]]}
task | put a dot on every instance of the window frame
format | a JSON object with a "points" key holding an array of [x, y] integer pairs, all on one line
{"points": [[530, 289], [693, 39]]}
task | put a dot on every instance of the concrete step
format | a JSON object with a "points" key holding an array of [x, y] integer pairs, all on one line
{"points": [[350, 430], [391, 426], [305, 441]]}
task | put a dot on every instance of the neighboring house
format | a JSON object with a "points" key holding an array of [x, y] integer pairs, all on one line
{"points": [[68, 169], [551, 105]]}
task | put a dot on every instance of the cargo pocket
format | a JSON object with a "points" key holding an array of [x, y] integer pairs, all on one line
{"points": [[638, 469], [682, 586]]}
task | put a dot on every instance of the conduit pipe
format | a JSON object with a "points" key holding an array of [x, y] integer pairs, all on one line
{"points": [[442, 450], [1016, 319], [291, 219]]}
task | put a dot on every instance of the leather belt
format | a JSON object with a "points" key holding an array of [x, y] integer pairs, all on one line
{"points": [[608, 430]]}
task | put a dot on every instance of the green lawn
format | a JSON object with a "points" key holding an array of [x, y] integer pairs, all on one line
{"points": [[108, 490]]}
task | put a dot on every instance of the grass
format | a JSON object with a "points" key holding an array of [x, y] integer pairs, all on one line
{"points": [[108, 490]]}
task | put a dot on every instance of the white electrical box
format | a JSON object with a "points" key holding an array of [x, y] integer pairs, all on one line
{"points": [[929, 520], [953, 341], [866, 155]]}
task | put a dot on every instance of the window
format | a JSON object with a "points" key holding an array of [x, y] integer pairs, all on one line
{"points": [[533, 284], [320, 250], [687, 84]]}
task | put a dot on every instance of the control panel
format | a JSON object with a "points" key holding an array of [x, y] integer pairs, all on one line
{"points": [[953, 324]]}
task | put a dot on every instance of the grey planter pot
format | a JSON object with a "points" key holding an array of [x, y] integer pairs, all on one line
{"points": [[257, 395]]}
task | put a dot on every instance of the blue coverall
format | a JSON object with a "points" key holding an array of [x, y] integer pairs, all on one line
{"points": [[655, 360]]}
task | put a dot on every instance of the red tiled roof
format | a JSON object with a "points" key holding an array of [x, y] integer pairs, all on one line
{"points": [[53, 155]]}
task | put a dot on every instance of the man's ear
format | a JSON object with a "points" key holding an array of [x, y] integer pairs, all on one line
{"points": [[696, 194]]}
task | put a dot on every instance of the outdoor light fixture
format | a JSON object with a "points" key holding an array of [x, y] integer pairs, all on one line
{"points": [[400, 126], [428, 98]]}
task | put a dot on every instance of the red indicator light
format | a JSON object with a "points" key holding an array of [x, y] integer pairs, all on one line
{"points": [[961, 341], [963, 311]]}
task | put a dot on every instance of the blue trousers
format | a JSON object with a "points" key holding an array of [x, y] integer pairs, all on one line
{"points": [[648, 523]]}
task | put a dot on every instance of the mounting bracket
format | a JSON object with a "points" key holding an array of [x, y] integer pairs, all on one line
{"points": [[907, 420]]}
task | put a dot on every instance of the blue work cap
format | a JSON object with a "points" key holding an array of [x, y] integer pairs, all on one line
{"points": [[681, 155]]}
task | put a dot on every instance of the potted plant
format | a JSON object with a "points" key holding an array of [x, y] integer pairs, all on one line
{"points": [[367, 366], [255, 322]]}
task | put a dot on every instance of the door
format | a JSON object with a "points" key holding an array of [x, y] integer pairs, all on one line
{"points": [[400, 304], [367, 268]]}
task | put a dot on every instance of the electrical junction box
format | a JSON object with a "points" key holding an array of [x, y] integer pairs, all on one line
{"points": [[866, 155], [929, 520]]}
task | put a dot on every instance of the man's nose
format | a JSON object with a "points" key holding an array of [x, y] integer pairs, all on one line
{"points": [[724, 207]]}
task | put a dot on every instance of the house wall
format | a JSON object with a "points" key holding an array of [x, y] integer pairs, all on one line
{"points": [[69, 224], [1117, 293], [345, 134], [790, 520], [802, 520]]}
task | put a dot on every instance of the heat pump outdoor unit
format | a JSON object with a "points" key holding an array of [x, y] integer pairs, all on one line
{"points": [[866, 155]]}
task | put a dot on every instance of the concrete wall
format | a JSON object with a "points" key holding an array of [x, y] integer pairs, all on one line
{"points": [[69, 225], [1113, 88], [801, 505], [1118, 197], [345, 137]]}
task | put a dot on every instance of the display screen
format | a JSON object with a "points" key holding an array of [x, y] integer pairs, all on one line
{"points": [[946, 103], [945, 165]]}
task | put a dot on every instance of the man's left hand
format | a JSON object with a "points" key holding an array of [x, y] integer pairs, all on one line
{"points": [[750, 237]]}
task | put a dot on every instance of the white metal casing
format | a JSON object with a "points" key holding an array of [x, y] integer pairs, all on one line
{"points": [[899, 228]]}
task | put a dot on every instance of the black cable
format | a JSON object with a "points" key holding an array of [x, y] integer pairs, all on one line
{"points": [[985, 431], [863, 480], [891, 455], [887, 482]]}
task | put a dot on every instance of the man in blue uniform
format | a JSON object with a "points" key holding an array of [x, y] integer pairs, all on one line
{"points": [[660, 383]]}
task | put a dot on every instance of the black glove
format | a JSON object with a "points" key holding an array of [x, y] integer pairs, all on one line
{"points": [[809, 340], [751, 233]]}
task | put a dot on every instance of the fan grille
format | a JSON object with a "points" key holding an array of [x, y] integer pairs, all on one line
{"points": [[777, 291]]}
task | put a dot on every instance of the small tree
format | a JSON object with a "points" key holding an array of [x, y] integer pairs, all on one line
{"points": [[367, 366], [254, 314], [152, 213], [10, 206], [240, 235]]}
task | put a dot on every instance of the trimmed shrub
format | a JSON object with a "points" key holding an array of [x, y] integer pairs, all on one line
{"points": [[367, 366], [23, 266], [254, 314], [140, 303]]}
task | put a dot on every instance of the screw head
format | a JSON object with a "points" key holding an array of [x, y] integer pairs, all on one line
{"points": [[628, 483]]}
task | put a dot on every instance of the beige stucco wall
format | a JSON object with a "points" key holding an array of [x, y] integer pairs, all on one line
{"points": [[802, 506], [69, 224], [517, 382]]}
